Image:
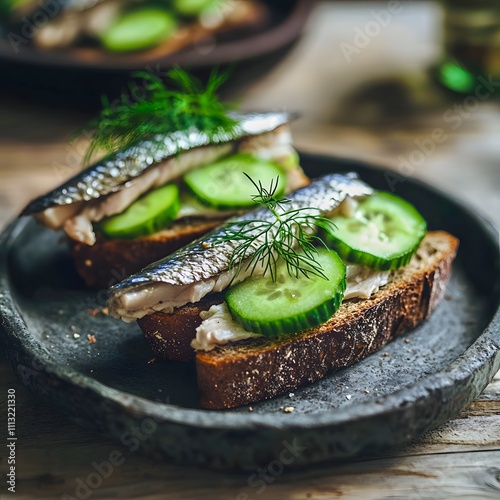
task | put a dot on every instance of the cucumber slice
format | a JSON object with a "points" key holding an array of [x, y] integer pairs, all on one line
{"points": [[290, 161], [384, 232], [224, 185], [138, 30], [146, 216], [290, 304], [193, 7]]}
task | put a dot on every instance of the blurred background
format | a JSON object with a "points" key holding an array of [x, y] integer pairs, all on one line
{"points": [[412, 86]]}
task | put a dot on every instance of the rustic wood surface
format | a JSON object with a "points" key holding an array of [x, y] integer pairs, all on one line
{"points": [[374, 106]]}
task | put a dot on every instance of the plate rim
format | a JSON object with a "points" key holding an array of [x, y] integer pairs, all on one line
{"points": [[485, 351]]}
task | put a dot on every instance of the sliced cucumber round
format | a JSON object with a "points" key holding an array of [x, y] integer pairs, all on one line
{"points": [[383, 233], [224, 185], [139, 30], [146, 216], [193, 7], [290, 304]]}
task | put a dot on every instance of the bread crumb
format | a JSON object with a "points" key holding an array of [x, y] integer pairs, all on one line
{"points": [[367, 391], [407, 341], [91, 338], [291, 395], [92, 312], [152, 360], [76, 335], [288, 409], [105, 311], [250, 408], [88, 262], [386, 354], [349, 397]]}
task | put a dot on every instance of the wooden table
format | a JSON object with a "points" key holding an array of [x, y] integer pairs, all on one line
{"points": [[375, 106]]}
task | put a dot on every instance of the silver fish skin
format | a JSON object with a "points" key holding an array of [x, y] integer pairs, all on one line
{"points": [[208, 258], [111, 173]]}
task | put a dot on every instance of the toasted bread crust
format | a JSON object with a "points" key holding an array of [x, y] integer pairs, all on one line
{"points": [[109, 261], [258, 369]]}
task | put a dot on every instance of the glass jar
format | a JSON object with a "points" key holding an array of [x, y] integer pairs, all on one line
{"points": [[471, 44]]}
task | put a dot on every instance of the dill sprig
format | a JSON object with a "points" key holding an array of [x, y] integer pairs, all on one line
{"points": [[160, 109], [289, 236]]}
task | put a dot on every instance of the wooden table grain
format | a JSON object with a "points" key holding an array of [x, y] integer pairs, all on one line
{"points": [[375, 103]]}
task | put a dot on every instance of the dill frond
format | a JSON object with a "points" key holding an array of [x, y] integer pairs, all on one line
{"points": [[158, 108], [289, 236]]}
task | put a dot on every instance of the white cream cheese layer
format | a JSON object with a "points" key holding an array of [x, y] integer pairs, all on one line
{"points": [[218, 327], [363, 282]]}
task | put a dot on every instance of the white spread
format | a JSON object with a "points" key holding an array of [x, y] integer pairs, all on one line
{"points": [[218, 327], [363, 282]]}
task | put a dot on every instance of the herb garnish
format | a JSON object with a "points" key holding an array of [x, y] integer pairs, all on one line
{"points": [[289, 236], [187, 104]]}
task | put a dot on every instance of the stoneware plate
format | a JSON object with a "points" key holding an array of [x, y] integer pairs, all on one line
{"points": [[415, 383]]}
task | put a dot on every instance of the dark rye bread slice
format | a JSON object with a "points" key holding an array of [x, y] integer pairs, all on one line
{"points": [[247, 371], [109, 261]]}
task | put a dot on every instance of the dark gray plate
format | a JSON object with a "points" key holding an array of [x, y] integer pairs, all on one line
{"points": [[415, 383]]}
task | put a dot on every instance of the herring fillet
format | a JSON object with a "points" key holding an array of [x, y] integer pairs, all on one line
{"points": [[205, 262], [111, 173]]}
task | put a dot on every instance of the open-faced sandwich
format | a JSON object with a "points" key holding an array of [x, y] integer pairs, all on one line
{"points": [[152, 28], [171, 180], [282, 295]]}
